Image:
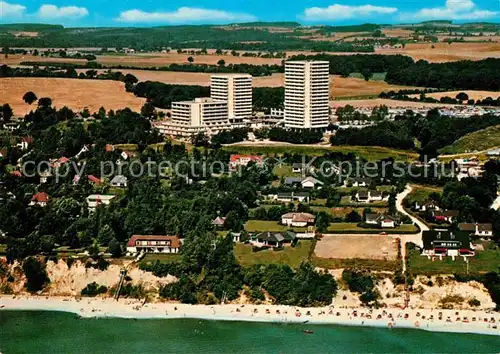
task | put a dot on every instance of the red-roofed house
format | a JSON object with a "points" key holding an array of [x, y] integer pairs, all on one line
{"points": [[297, 219], [94, 179], [244, 160], [40, 198], [25, 143], [16, 173], [153, 244]]}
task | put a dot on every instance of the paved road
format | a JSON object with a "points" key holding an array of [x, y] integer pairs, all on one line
{"points": [[415, 238]]}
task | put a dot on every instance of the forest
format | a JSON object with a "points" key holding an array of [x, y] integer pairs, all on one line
{"points": [[434, 131]]}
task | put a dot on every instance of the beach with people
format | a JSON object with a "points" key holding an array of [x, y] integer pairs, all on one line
{"points": [[459, 321]]}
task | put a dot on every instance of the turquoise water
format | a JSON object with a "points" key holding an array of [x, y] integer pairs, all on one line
{"points": [[57, 332]]}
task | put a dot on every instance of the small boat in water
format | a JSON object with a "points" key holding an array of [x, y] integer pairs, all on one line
{"points": [[307, 331]]}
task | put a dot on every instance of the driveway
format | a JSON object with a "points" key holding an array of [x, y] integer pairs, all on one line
{"points": [[416, 238]]}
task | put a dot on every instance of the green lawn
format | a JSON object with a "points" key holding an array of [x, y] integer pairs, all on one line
{"points": [[421, 193], [371, 153], [368, 264], [3, 248], [341, 212], [477, 141], [265, 225], [293, 256], [351, 226], [164, 258], [483, 262], [284, 171], [347, 201]]}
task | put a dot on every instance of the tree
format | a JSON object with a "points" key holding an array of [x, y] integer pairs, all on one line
{"points": [[218, 51], [29, 97], [322, 221], [367, 73], [462, 96], [353, 216], [105, 235], [114, 248], [221, 62], [45, 102], [6, 112], [200, 140], [148, 110], [36, 275], [190, 60]]}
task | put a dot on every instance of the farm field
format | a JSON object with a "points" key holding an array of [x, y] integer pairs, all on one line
{"points": [[339, 86], [444, 52], [159, 59], [357, 247], [293, 256], [477, 141], [74, 93]]}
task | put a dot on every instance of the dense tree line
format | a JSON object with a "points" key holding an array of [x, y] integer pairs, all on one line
{"points": [[295, 137], [360, 63], [433, 131], [465, 75], [176, 37]]}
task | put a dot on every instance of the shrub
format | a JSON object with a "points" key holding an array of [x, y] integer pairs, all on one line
{"points": [[474, 302], [36, 275], [94, 289]]}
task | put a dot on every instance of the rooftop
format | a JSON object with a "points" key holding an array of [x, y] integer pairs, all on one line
{"points": [[174, 240]]}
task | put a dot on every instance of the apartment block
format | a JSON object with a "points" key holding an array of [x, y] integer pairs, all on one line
{"points": [[191, 117], [307, 90], [236, 90]]}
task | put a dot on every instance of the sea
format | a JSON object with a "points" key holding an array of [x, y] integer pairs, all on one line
{"points": [[60, 332]]}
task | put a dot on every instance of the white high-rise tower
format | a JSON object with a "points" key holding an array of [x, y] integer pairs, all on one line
{"points": [[307, 91], [236, 90]]}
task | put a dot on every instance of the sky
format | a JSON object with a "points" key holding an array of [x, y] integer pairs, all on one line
{"points": [[76, 13]]}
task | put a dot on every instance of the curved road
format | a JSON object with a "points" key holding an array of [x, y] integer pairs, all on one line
{"points": [[415, 238]]}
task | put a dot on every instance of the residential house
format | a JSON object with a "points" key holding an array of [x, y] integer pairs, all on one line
{"points": [[273, 239], [293, 181], [153, 244], [44, 176], [94, 200], [287, 197], [219, 221], [236, 236], [383, 221], [477, 229], [56, 163], [445, 216], [447, 243], [94, 180], [16, 173], [119, 181], [297, 219], [311, 182], [297, 167], [495, 153], [243, 160], [427, 206], [76, 180], [370, 197], [40, 198], [358, 182], [25, 143]]}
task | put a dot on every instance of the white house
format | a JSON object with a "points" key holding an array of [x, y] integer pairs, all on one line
{"points": [[94, 200], [119, 181], [477, 229], [370, 197], [297, 219], [153, 244], [44, 176], [311, 182]]}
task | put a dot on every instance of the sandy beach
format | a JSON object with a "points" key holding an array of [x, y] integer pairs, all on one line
{"points": [[460, 321]]}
